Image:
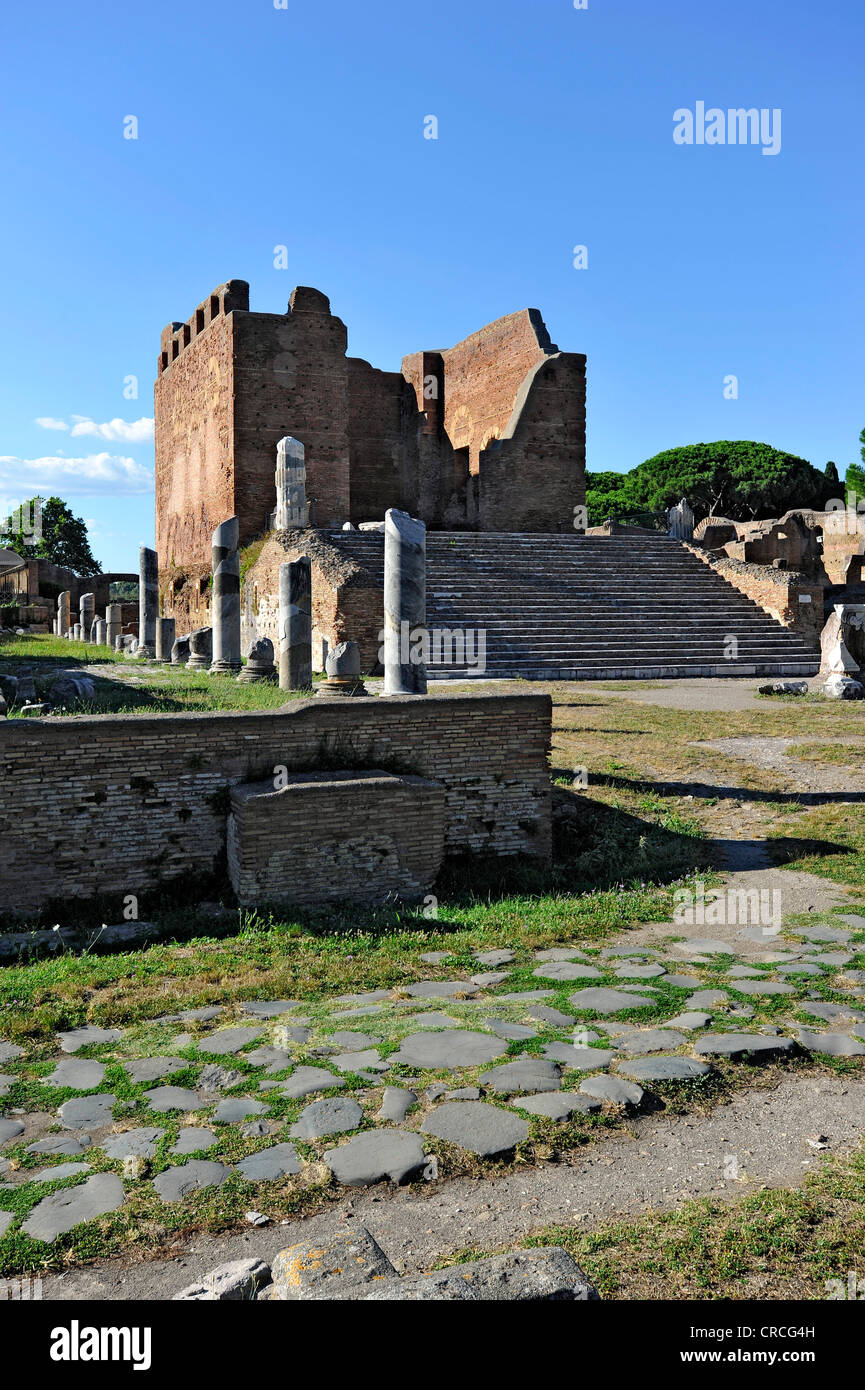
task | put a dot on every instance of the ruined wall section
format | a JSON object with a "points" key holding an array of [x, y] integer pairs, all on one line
{"points": [[384, 425], [535, 474]]}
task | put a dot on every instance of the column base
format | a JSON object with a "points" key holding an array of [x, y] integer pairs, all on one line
{"points": [[341, 687]]}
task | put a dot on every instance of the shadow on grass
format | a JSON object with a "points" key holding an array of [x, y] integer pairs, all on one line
{"points": [[707, 791]]}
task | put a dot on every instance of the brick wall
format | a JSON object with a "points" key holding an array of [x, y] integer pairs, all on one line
{"points": [[121, 804], [778, 592]]}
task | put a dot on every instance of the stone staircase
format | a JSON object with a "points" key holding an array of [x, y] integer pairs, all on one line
{"points": [[573, 607]]}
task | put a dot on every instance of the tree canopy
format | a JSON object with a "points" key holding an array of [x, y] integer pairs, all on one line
{"points": [[64, 538], [738, 478]]}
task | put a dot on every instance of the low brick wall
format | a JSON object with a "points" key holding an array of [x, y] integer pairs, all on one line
{"points": [[790, 597], [120, 804], [330, 836]]}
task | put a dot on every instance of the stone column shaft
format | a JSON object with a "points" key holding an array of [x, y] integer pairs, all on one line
{"points": [[225, 613], [295, 624], [404, 602], [164, 638], [148, 600]]}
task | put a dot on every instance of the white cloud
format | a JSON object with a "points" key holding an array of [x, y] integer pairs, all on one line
{"points": [[129, 431], [108, 474]]}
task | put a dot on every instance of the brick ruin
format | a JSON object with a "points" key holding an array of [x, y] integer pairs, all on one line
{"points": [[487, 435]]}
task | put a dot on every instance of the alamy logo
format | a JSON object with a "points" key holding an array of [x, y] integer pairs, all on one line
{"points": [[435, 646], [22, 519], [77, 1343], [735, 126], [728, 907]]}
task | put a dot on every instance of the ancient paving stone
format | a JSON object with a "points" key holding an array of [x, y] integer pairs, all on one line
{"points": [[357, 1061], [707, 999], [383, 1153], [629, 951], [87, 1112], [832, 1012], [6, 1219], [561, 953], [603, 1001], [9, 1051], [494, 958], [738, 1045], [829, 958], [256, 1129], [77, 1074], [853, 919], [319, 1268], [60, 1171], [69, 1207], [435, 957], [372, 996], [557, 1105], [274, 1058], [544, 1014], [138, 1142], [305, 1081], [268, 1165], [820, 933], [663, 1069], [567, 970], [153, 1068], [481, 1128], [763, 987], [799, 967], [363, 1012], [580, 1058], [203, 1015], [193, 1138], [639, 972], [395, 1104], [612, 1089], [834, 1044], [227, 1040], [683, 981], [440, 989], [464, 1093], [353, 1042], [216, 1078], [164, 1098], [527, 1074], [705, 946], [182, 1040], [237, 1108], [77, 1038], [503, 1029], [525, 996], [335, 1115], [745, 972], [650, 1040], [492, 977], [174, 1183], [269, 1008], [56, 1144], [455, 1048], [435, 1020]]}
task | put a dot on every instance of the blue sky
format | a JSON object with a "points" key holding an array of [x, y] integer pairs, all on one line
{"points": [[303, 126]]}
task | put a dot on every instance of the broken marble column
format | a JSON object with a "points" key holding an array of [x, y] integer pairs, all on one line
{"points": [[63, 614], [99, 632], [842, 641], [295, 624], [86, 615], [342, 671], [291, 508], [225, 610], [404, 603], [76, 632], [148, 600], [259, 663], [180, 652], [113, 623], [200, 649], [164, 639]]}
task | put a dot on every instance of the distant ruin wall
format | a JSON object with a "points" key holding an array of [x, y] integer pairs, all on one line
{"points": [[791, 598], [158, 785]]}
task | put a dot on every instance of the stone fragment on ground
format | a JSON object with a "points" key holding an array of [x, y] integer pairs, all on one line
{"points": [[87, 1112], [441, 989], [228, 1040], [334, 1115], [649, 1040], [567, 970], [556, 1105], [832, 1044], [305, 1081], [613, 1090], [455, 1048], [76, 1038], [236, 1282], [521, 1276], [140, 1143], [739, 1045], [154, 1068], [395, 1104], [237, 1108], [349, 1258], [268, 1165], [269, 1008], [528, 1074], [579, 1058], [165, 1098], [193, 1138], [663, 1068], [77, 1074], [603, 1001]]}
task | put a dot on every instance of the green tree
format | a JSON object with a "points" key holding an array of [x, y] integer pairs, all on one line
{"points": [[739, 478], [830, 473], [854, 482], [64, 536], [609, 495]]}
